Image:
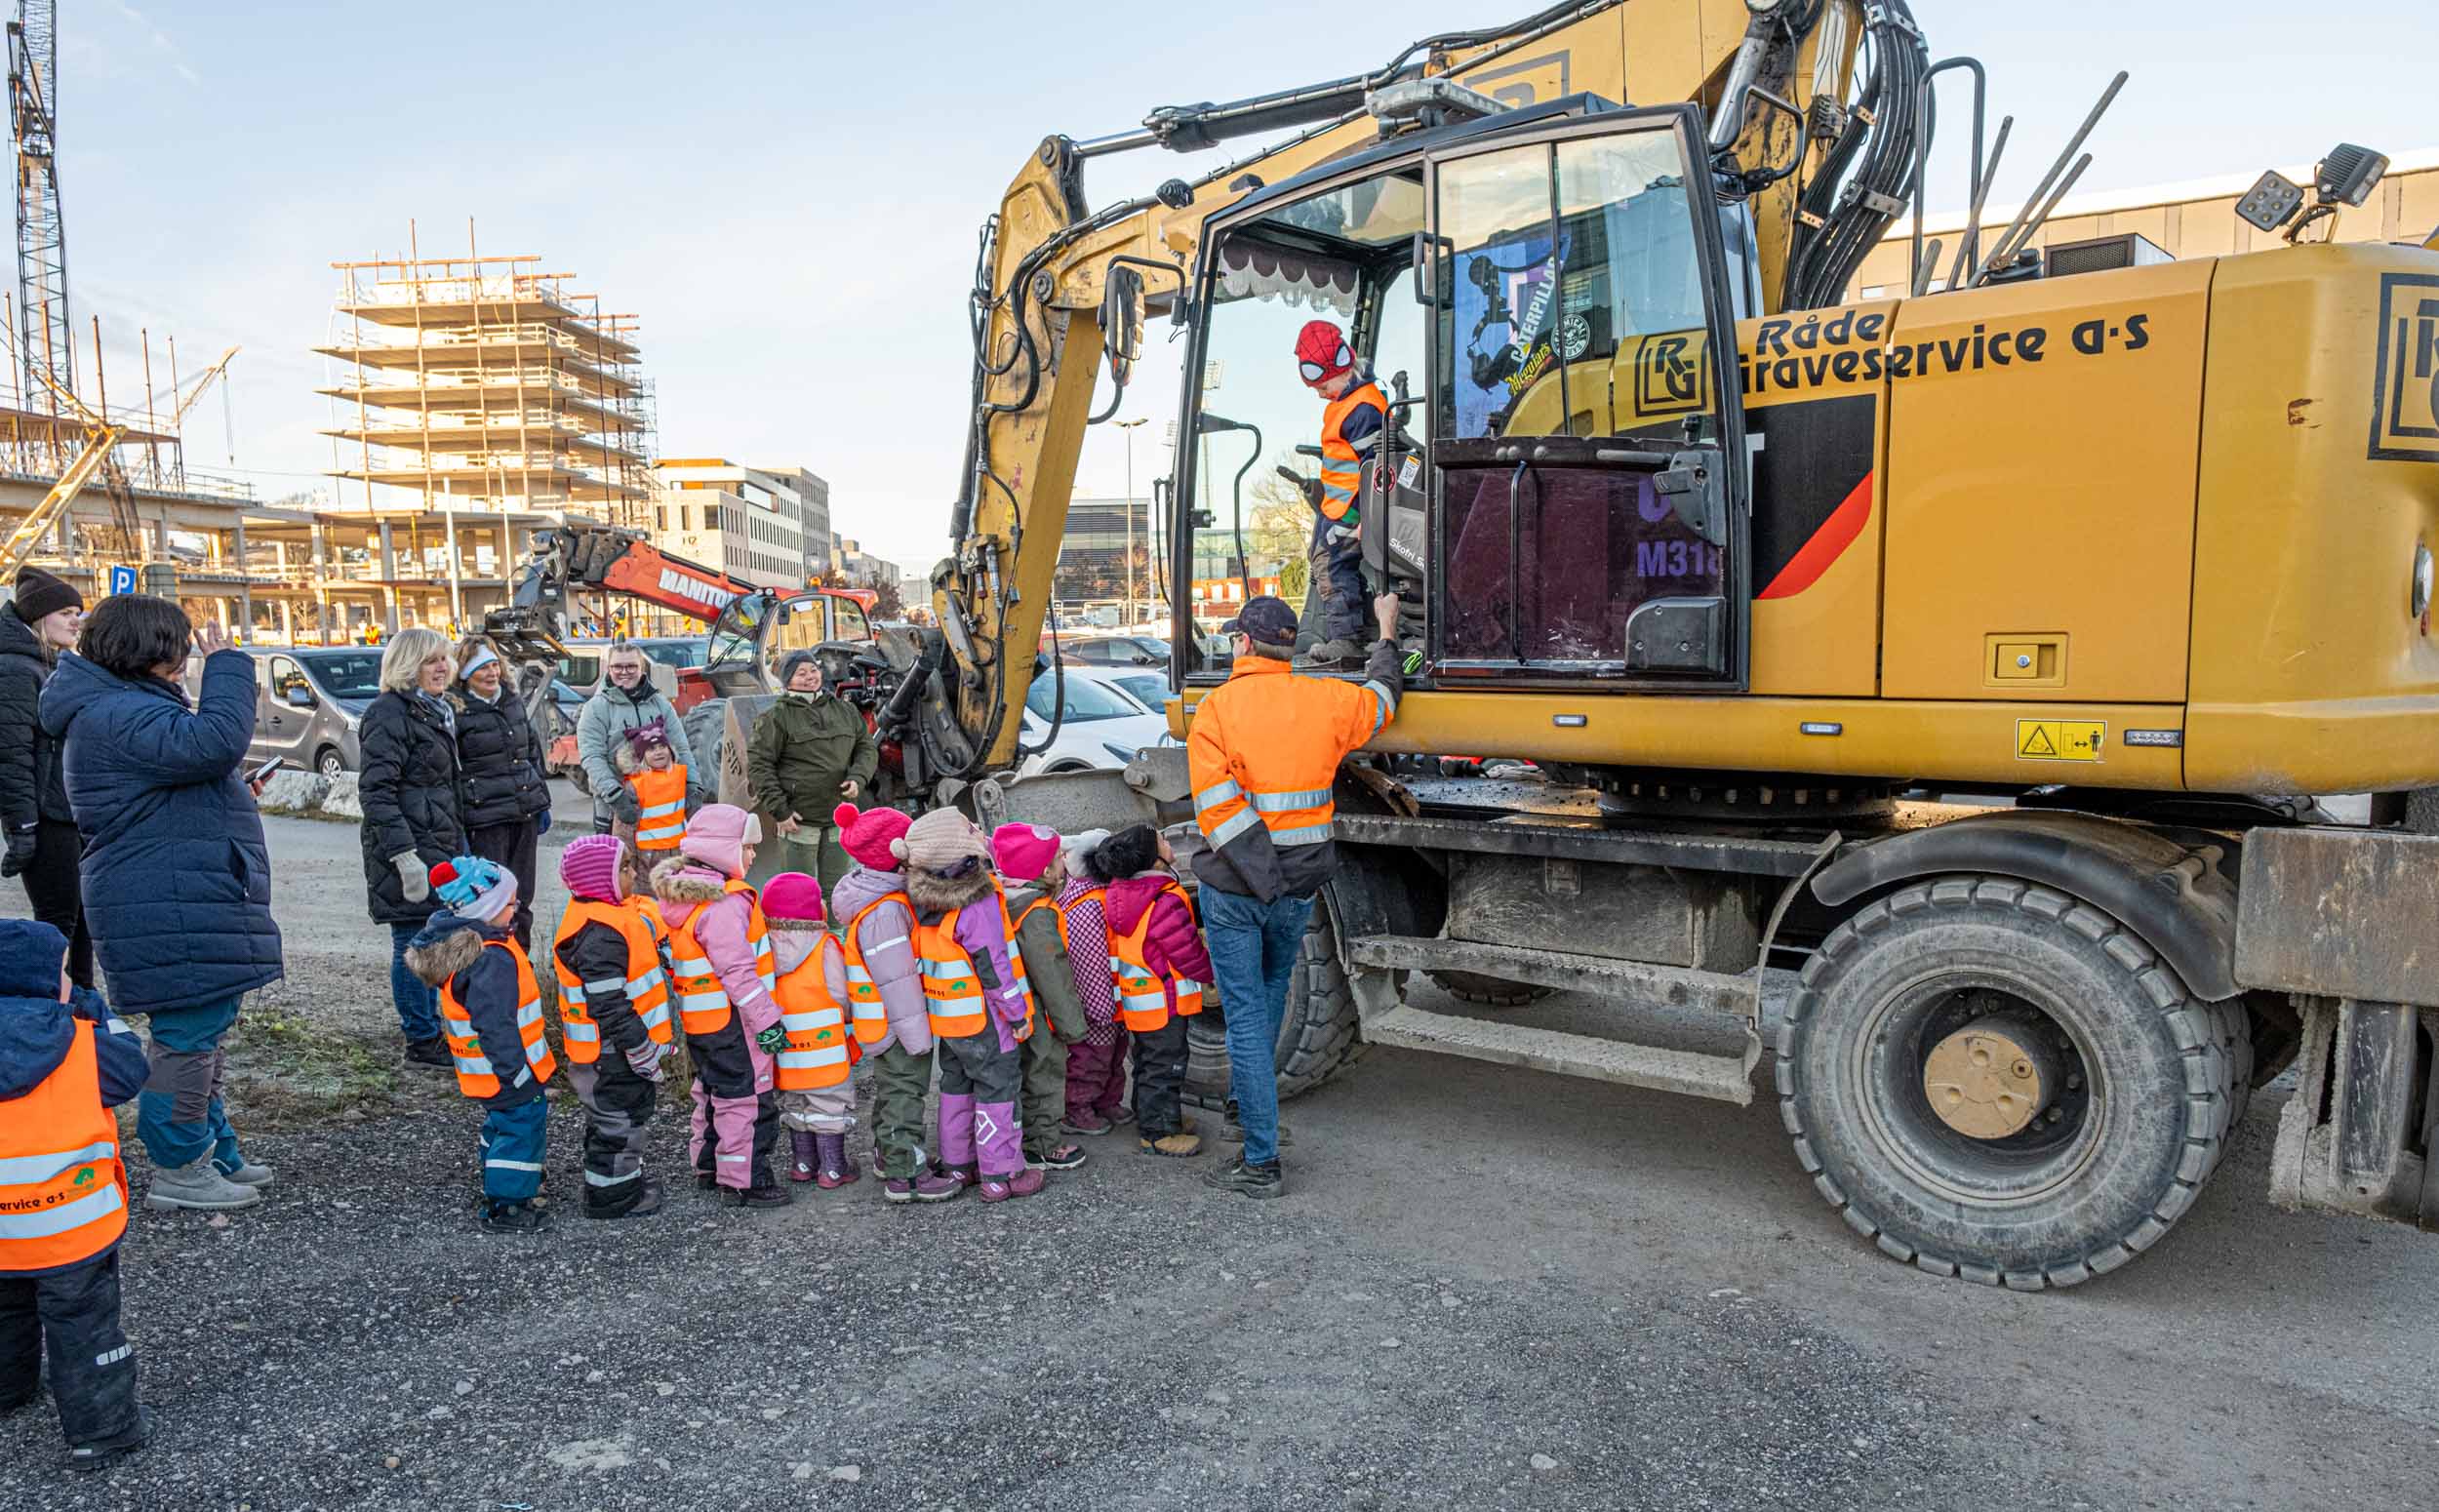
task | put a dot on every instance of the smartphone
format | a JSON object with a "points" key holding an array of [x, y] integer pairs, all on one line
{"points": [[266, 770]]}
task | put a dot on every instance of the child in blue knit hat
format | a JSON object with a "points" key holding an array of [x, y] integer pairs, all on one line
{"points": [[490, 1014]]}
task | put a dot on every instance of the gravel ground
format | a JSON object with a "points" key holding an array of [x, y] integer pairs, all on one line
{"points": [[1487, 1288]]}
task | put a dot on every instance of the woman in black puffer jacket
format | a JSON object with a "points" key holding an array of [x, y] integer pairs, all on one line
{"points": [[503, 792], [410, 823]]}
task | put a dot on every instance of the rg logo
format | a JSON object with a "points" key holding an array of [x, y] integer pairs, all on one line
{"points": [[1668, 374], [2405, 401]]}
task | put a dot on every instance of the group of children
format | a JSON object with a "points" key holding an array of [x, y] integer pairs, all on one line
{"points": [[1022, 966]]}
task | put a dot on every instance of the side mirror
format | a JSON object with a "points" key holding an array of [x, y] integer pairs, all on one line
{"points": [[300, 695]]}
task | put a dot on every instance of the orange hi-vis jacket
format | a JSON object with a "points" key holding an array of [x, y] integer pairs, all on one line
{"points": [[951, 984], [663, 798], [476, 1076], [1341, 461], [864, 994], [1264, 751], [820, 1051], [702, 1003], [1141, 998], [62, 1189], [645, 984]]}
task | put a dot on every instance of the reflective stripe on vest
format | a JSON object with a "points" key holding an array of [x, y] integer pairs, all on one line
{"points": [[662, 797], [1341, 461], [702, 1003], [645, 985], [818, 1052], [1143, 997], [864, 994], [477, 1077], [63, 1190]]}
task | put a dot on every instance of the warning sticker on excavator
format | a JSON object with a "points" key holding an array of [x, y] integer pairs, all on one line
{"points": [[2060, 739]]}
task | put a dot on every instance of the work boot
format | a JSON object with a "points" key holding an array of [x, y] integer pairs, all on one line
{"points": [[772, 1195], [1086, 1122], [1023, 1183], [1232, 1131], [1252, 1181], [245, 1172], [431, 1054], [1176, 1147], [501, 1216], [650, 1196], [85, 1458], [197, 1185], [800, 1143], [834, 1169]]}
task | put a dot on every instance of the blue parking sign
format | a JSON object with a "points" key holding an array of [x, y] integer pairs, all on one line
{"points": [[122, 580]]}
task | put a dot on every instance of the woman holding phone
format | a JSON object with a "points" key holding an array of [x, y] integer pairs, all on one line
{"points": [[177, 877]]}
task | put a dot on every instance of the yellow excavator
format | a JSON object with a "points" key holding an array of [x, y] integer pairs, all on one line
{"points": [[1977, 646]]}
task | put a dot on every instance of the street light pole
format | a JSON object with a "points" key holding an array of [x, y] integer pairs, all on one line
{"points": [[1129, 506]]}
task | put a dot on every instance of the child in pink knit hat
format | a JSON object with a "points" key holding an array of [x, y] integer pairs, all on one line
{"points": [[816, 1101], [615, 1021], [886, 1005], [1033, 867]]}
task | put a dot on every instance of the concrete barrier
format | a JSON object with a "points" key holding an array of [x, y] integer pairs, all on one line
{"points": [[294, 792], [342, 802]]}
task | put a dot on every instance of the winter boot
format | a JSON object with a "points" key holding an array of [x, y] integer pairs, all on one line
{"points": [[772, 1195], [650, 1196], [197, 1185], [245, 1172], [503, 1217], [1252, 1181], [706, 1182], [963, 1175], [86, 1459], [1176, 1147], [1086, 1122], [1021, 1183], [1062, 1156], [836, 1169], [800, 1143], [431, 1054], [925, 1185]]}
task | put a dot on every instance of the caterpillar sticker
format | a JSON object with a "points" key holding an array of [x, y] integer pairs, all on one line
{"points": [[2060, 739], [2405, 396]]}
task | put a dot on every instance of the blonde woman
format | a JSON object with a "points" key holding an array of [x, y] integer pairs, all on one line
{"points": [[411, 821]]}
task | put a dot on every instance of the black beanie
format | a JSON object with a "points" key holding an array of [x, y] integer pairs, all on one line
{"points": [[40, 593]]}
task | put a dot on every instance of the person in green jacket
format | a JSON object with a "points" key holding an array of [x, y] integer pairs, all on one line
{"points": [[809, 753]]}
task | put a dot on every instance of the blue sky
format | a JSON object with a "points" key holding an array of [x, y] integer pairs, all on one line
{"points": [[788, 193]]}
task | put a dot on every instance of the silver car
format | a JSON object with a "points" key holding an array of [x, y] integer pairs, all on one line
{"points": [[311, 701]]}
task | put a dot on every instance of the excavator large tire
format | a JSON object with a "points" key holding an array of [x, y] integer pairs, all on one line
{"points": [[706, 731], [2143, 1077], [1488, 991], [1318, 1038]]}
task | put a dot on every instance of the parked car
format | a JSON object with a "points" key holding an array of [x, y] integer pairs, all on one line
{"points": [[1148, 689], [310, 701], [1100, 727], [1115, 651]]}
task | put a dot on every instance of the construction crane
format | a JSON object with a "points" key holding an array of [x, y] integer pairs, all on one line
{"points": [[45, 357], [102, 437]]}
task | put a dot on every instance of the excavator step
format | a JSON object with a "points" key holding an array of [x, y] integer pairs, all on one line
{"points": [[1504, 1041], [1672, 986]]}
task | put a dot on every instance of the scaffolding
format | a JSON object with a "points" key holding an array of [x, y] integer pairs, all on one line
{"points": [[481, 382]]}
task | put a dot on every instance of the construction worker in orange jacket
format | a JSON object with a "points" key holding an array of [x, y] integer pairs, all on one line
{"points": [[1353, 417], [1264, 755]]}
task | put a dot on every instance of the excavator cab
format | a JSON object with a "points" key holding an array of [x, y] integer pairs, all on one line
{"points": [[1545, 297]]}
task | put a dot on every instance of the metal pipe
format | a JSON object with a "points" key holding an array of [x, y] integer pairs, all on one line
{"points": [[1729, 123], [1925, 115], [1928, 266], [1972, 222], [2034, 225], [2002, 248]]}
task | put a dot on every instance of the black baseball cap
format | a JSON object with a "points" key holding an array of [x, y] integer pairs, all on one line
{"points": [[1266, 619]]}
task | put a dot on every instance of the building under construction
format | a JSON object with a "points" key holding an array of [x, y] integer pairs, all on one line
{"points": [[483, 383]]}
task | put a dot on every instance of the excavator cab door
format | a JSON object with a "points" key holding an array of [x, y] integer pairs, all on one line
{"points": [[1585, 456]]}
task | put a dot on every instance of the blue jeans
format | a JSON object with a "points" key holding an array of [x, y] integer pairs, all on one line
{"points": [[512, 1150], [419, 1006], [1253, 948], [180, 1118]]}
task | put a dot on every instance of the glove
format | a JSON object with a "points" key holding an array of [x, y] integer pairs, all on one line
{"points": [[541, 822], [645, 1059], [772, 1040], [415, 879], [20, 852], [628, 808]]}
